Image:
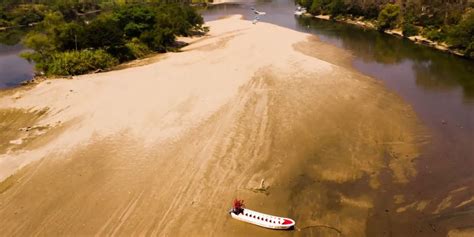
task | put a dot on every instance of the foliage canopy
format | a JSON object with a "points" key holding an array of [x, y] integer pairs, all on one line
{"points": [[66, 43]]}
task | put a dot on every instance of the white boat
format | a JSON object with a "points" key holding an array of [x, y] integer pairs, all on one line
{"points": [[300, 11], [256, 12], [240, 213]]}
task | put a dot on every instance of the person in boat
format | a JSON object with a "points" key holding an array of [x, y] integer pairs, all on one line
{"points": [[238, 206]]}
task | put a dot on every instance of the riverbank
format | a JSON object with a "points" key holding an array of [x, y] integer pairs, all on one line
{"points": [[367, 24], [147, 150]]}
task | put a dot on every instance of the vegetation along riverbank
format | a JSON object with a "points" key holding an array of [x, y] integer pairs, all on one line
{"points": [[445, 25], [71, 38]]}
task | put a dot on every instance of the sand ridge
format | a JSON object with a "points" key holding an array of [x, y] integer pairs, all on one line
{"points": [[162, 149]]}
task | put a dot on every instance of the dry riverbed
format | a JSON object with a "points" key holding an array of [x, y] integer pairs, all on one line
{"points": [[162, 149]]}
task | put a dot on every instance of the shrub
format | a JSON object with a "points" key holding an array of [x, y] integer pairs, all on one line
{"points": [[462, 35], [25, 15], [355, 9], [388, 17], [337, 7], [372, 11], [158, 39], [135, 19], [409, 29], [104, 32], [434, 34], [70, 36], [315, 7], [79, 62], [137, 49], [306, 3], [39, 42]]}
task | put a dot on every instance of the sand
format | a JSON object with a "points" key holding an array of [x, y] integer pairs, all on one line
{"points": [[162, 149]]}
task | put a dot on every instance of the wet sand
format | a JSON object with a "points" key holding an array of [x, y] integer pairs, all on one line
{"points": [[162, 149]]}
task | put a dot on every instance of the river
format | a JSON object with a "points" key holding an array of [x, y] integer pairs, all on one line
{"points": [[439, 87]]}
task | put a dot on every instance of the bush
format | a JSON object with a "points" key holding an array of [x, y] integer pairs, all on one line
{"points": [[315, 7], [158, 39], [388, 17], [355, 9], [409, 29], [462, 35], [337, 7], [372, 11], [25, 15], [39, 42], [306, 3], [104, 32], [79, 62], [434, 34], [70, 36], [137, 49], [135, 19]]}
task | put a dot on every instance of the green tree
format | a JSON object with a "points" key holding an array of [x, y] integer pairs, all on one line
{"points": [[337, 7], [388, 17], [43, 49], [104, 32], [462, 35], [68, 41], [409, 29], [316, 7], [70, 36], [135, 19], [306, 3]]}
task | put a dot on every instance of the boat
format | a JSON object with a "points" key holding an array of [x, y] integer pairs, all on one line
{"points": [[239, 212], [300, 11], [256, 12]]}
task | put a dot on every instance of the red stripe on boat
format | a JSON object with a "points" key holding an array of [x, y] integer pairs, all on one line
{"points": [[287, 221]]}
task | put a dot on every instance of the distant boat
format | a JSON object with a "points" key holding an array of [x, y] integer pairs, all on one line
{"points": [[258, 12], [300, 11], [239, 212]]}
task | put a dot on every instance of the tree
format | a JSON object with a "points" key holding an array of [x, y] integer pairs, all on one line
{"points": [[135, 19], [73, 45], [337, 7], [316, 7], [70, 36], [388, 17], [306, 3], [104, 32], [409, 29], [462, 35]]}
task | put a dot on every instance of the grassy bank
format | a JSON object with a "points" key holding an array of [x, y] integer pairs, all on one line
{"points": [[446, 26]]}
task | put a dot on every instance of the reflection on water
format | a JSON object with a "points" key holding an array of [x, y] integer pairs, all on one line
{"points": [[432, 70], [13, 68]]}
